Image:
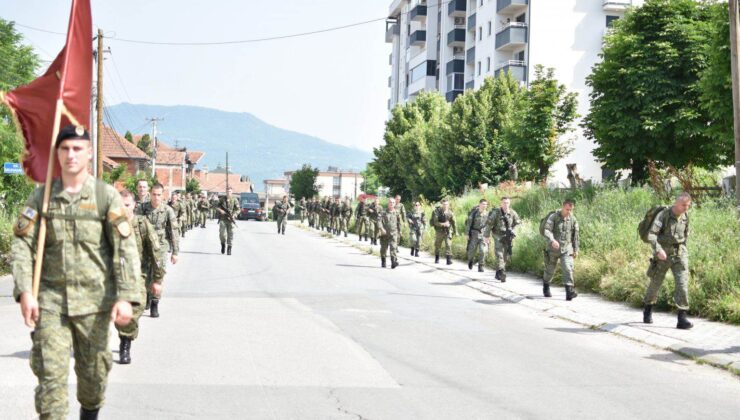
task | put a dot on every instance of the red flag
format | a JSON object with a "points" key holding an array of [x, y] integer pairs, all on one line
{"points": [[69, 78]]}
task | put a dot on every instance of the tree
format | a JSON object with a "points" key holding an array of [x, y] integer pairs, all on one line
{"points": [[145, 144], [371, 183], [192, 185], [546, 115], [645, 99], [128, 136], [19, 62], [119, 173], [303, 182]]}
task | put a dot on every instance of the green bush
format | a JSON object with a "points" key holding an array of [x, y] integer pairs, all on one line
{"points": [[6, 236], [612, 260]]}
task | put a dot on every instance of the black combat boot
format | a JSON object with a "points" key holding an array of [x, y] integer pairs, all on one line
{"points": [[382, 262], [570, 293], [683, 320], [283, 231], [470, 265], [154, 309], [412, 252], [498, 274], [223, 247], [503, 276], [480, 268], [449, 260], [647, 314], [345, 234], [416, 254], [124, 350], [86, 414], [394, 263], [436, 259], [228, 250], [546, 290]]}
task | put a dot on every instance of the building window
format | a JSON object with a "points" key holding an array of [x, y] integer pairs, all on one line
{"points": [[489, 28], [610, 20], [418, 72], [481, 3], [488, 64], [480, 33], [520, 55], [479, 68]]}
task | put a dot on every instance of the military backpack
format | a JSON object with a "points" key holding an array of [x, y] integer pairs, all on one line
{"points": [[543, 222]]}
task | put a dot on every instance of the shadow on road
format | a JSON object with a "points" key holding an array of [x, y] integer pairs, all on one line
{"points": [[493, 302], [358, 266], [577, 330], [25, 354]]}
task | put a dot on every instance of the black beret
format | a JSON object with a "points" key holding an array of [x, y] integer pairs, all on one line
{"points": [[76, 132]]}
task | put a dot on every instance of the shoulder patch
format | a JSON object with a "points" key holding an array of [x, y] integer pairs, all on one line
{"points": [[124, 228], [116, 214], [26, 219]]}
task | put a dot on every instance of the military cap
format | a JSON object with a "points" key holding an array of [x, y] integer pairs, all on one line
{"points": [[74, 132]]}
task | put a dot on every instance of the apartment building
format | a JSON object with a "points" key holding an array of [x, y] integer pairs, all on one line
{"points": [[335, 182], [453, 45]]}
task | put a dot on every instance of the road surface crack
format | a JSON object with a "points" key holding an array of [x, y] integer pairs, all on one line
{"points": [[333, 395]]}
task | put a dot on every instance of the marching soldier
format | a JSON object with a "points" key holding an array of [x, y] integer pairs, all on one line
{"points": [[228, 207], [163, 218], [562, 234], [281, 209], [475, 226], [389, 223], [501, 224], [180, 213], [372, 214], [147, 244], [214, 203], [400, 208], [203, 208], [345, 215], [443, 221], [667, 236], [417, 225], [300, 210], [362, 222], [142, 191], [90, 276], [335, 213]]}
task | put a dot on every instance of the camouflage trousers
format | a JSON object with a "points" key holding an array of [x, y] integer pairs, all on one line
{"points": [[281, 222], [502, 256], [415, 238], [202, 218], [678, 263], [386, 242], [226, 231], [566, 265], [442, 236], [343, 224], [54, 336], [362, 223], [476, 243], [301, 215], [374, 229]]}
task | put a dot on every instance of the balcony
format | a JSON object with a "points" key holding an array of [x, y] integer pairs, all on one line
{"points": [[418, 38], [512, 37], [457, 8], [470, 85], [510, 7], [391, 31], [456, 65], [517, 68], [456, 38], [470, 56], [472, 22], [418, 13], [451, 95], [616, 5]]}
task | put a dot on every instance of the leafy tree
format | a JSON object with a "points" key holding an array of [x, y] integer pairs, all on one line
{"points": [[145, 144], [303, 182], [371, 183], [19, 62], [128, 136], [546, 114], [645, 100], [119, 173], [192, 185]]}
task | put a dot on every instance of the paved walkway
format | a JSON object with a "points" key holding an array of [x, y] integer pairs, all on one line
{"points": [[709, 342]]}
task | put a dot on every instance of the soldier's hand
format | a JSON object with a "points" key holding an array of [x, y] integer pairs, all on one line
{"points": [[157, 289], [555, 245], [121, 313], [29, 309], [575, 255], [173, 259], [661, 255]]}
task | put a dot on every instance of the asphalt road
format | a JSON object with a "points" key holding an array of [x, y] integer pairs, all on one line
{"points": [[303, 327]]}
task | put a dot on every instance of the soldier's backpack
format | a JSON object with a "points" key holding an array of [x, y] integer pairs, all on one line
{"points": [[643, 229], [543, 222], [469, 220]]}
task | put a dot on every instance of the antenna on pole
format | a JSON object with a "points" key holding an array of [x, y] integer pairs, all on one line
{"points": [[154, 122]]}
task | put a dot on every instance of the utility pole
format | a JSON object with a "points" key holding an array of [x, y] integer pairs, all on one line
{"points": [[99, 122], [154, 122], [227, 171], [735, 56]]}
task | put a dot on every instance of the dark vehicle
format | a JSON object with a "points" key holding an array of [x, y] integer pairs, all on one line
{"points": [[251, 208]]}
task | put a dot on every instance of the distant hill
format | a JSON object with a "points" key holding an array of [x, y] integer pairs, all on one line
{"points": [[256, 148]]}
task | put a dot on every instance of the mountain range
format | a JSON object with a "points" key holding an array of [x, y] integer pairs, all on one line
{"points": [[256, 148]]}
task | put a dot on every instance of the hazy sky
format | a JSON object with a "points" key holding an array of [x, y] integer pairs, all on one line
{"points": [[331, 85]]}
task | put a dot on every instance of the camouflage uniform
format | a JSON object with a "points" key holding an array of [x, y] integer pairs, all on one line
{"points": [[669, 233], [345, 215], [389, 223], [443, 234], [213, 204], [300, 210], [165, 224], [372, 214], [180, 214], [401, 210], [417, 225], [498, 223], [566, 232], [203, 208], [226, 224], [362, 221], [334, 213], [281, 215], [90, 262], [474, 228]]}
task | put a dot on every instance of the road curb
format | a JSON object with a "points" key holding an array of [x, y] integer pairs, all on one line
{"points": [[682, 348]]}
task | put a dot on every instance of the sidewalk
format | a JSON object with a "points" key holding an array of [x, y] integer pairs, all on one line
{"points": [[708, 342]]}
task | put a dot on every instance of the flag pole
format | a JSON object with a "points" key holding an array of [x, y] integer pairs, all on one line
{"points": [[41, 236]]}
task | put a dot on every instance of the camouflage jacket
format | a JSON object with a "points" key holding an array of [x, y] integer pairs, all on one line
{"points": [[476, 221], [147, 242], [230, 206], [417, 221], [346, 210], [401, 210], [669, 233], [439, 217], [361, 211], [165, 224], [564, 230], [498, 220], [203, 205], [389, 223], [281, 209], [90, 262]]}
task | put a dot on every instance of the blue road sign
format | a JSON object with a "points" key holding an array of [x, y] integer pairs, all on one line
{"points": [[12, 168]]}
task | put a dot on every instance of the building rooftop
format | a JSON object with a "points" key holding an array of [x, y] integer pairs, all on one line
{"points": [[115, 146]]}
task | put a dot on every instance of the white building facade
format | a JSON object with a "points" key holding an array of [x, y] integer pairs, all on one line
{"points": [[453, 45], [336, 183]]}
